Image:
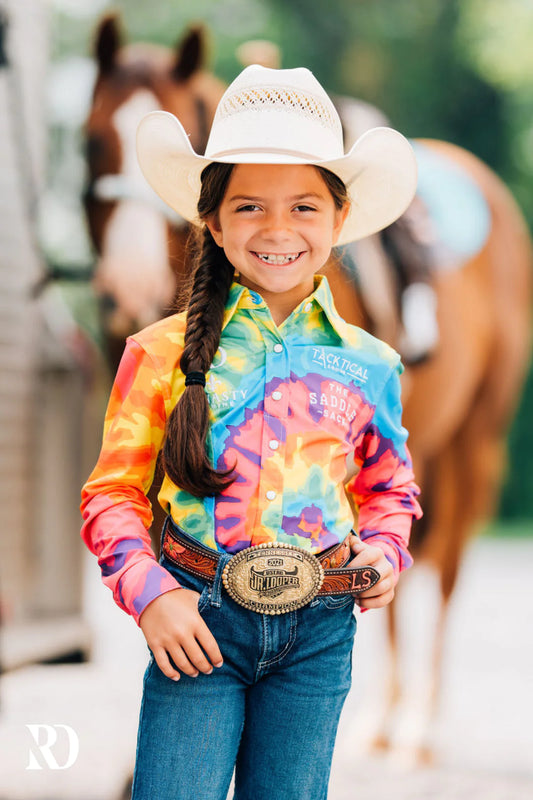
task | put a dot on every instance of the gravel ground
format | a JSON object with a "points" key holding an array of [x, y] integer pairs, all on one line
{"points": [[482, 736]]}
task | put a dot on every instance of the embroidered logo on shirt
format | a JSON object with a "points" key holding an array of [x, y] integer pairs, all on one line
{"points": [[337, 363], [336, 403], [219, 400], [219, 359]]}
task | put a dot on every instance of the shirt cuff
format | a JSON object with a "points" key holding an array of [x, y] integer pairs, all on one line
{"points": [[395, 553], [141, 583]]}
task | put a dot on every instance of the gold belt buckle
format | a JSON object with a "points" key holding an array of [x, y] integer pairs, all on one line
{"points": [[273, 578]]}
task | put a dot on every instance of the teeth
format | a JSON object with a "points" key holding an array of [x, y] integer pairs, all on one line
{"points": [[275, 258]]}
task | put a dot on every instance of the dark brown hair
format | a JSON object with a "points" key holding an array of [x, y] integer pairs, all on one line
{"points": [[185, 457]]}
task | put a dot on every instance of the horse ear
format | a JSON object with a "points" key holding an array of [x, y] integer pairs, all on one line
{"points": [[190, 54], [108, 40]]}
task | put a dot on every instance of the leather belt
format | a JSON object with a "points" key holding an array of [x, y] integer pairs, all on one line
{"points": [[272, 578]]}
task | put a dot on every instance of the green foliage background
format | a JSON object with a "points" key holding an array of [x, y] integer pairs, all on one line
{"points": [[458, 70]]}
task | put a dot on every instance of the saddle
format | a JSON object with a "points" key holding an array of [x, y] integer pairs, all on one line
{"points": [[394, 269]]}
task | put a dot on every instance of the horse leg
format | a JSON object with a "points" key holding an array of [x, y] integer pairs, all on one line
{"points": [[392, 690], [468, 476], [467, 479], [419, 616]]}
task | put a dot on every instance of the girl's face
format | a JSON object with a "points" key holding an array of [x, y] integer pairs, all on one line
{"points": [[277, 225]]}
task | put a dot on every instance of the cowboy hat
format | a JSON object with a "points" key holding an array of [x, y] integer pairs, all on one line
{"points": [[282, 116]]}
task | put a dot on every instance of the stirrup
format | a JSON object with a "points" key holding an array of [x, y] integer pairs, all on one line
{"points": [[420, 334]]}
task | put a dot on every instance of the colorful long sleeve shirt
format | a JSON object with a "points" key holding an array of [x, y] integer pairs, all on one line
{"points": [[309, 412]]}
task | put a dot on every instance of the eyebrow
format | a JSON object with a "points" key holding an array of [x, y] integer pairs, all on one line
{"points": [[293, 199]]}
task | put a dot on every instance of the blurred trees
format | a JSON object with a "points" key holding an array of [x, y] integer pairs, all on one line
{"points": [[459, 70]]}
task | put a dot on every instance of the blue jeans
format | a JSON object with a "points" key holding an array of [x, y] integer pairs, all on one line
{"points": [[271, 711]]}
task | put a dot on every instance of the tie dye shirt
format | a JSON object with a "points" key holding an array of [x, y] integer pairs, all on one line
{"points": [[310, 414]]}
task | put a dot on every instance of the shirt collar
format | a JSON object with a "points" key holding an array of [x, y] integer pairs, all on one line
{"points": [[240, 298], [322, 295]]}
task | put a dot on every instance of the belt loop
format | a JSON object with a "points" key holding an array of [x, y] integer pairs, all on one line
{"points": [[216, 592]]}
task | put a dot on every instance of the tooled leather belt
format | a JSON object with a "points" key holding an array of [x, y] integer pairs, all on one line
{"points": [[272, 578]]}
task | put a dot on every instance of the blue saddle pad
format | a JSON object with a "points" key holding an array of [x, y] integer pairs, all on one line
{"points": [[457, 207]]}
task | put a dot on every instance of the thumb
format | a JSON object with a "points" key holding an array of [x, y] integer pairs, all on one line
{"points": [[361, 551], [356, 545]]}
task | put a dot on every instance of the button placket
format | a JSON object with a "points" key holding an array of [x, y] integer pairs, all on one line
{"points": [[273, 437]]}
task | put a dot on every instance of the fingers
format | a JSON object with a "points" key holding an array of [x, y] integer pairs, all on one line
{"points": [[209, 645], [178, 636], [379, 595], [189, 657], [167, 667], [383, 592], [364, 553], [377, 601], [198, 654]]}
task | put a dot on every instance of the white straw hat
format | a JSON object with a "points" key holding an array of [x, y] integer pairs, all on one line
{"points": [[282, 116]]}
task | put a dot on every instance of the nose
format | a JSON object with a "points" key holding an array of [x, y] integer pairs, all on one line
{"points": [[277, 225]]}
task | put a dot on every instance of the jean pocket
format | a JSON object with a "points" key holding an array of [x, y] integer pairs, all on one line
{"points": [[336, 601]]}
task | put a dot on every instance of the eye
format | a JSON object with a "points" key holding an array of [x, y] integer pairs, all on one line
{"points": [[304, 208], [248, 207]]}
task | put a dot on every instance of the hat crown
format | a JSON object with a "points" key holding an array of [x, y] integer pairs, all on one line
{"points": [[296, 117]]}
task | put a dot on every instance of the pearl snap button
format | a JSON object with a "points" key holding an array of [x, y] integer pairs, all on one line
{"points": [[273, 444], [276, 395], [271, 495], [308, 307], [278, 348]]}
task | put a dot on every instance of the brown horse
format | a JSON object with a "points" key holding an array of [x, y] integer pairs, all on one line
{"points": [[458, 407], [138, 264], [458, 404]]}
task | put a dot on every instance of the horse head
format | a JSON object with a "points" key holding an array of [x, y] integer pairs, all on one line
{"points": [[139, 242]]}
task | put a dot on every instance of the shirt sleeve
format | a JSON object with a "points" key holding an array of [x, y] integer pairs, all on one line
{"points": [[114, 507], [384, 490]]}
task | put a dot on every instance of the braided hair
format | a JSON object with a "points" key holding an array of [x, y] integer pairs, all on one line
{"points": [[185, 457]]}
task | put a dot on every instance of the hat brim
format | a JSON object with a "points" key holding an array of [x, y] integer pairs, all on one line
{"points": [[379, 172]]}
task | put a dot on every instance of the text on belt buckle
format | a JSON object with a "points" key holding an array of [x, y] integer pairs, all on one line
{"points": [[273, 578]]}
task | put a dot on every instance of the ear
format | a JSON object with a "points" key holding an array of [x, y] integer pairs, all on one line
{"points": [[340, 219], [213, 223], [190, 54], [108, 40]]}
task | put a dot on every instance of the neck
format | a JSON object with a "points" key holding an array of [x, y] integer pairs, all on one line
{"points": [[281, 308]]}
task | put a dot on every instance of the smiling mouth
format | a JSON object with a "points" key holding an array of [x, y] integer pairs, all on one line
{"points": [[279, 259]]}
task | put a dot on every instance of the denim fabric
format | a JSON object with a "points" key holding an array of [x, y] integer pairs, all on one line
{"points": [[271, 711]]}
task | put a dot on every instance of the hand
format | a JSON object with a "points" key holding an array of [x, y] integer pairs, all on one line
{"points": [[367, 555], [173, 627]]}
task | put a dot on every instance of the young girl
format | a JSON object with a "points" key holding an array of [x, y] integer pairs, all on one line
{"points": [[269, 410]]}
